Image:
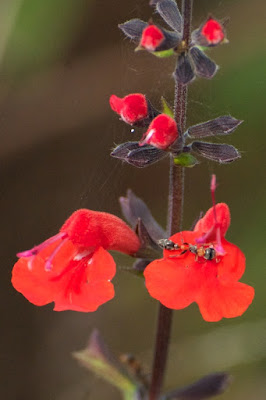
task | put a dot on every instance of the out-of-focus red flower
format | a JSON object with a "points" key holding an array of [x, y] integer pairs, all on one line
{"points": [[183, 277], [132, 108], [213, 32], [152, 37], [73, 268], [161, 133]]}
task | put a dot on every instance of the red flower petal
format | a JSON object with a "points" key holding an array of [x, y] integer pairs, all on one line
{"points": [[131, 108], [88, 300], [213, 31], [172, 282], [184, 237], [85, 286], [161, 133], [34, 286], [226, 300], [116, 103], [151, 38], [91, 229], [30, 278], [206, 223], [101, 266], [231, 266]]}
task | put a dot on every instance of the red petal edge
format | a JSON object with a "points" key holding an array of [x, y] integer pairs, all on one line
{"points": [[170, 282], [225, 300]]}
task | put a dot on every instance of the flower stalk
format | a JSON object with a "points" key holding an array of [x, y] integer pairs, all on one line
{"points": [[175, 216]]}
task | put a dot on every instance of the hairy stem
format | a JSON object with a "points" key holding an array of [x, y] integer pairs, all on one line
{"points": [[175, 216]]}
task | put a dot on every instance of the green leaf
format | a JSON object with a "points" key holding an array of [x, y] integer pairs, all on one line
{"points": [[166, 108], [186, 160], [97, 358], [202, 48], [164, 53]]}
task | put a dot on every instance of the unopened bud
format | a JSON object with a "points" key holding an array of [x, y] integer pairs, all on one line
{"points": [[162, 132], [132, 108], [152, 38]]}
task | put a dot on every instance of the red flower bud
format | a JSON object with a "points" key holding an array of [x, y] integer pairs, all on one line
{"points": [[213, 32], [152, 37], [161, 133], [131, 108]]}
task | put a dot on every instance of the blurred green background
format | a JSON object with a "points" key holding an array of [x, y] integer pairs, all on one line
{"points": [[59, 62]]}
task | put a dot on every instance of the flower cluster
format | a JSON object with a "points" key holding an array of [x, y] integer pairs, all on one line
{"points": [[162, 134], [191, 60], [73, 268], [135, 109]]}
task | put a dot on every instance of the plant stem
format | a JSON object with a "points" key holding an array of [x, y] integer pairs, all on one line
{"points": [[175, 216]]}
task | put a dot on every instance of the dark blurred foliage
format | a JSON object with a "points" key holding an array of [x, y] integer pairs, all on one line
{"points": [[60, 61]]}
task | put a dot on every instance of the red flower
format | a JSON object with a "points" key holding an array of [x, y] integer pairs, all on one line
{"points": [[152, 37], [213, 32], [203, 268], [161, 133], [73, 268], [131, 108]]}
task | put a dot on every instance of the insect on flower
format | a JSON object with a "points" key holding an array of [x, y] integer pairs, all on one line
{"points": [[206, 251], [201, 266]]}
